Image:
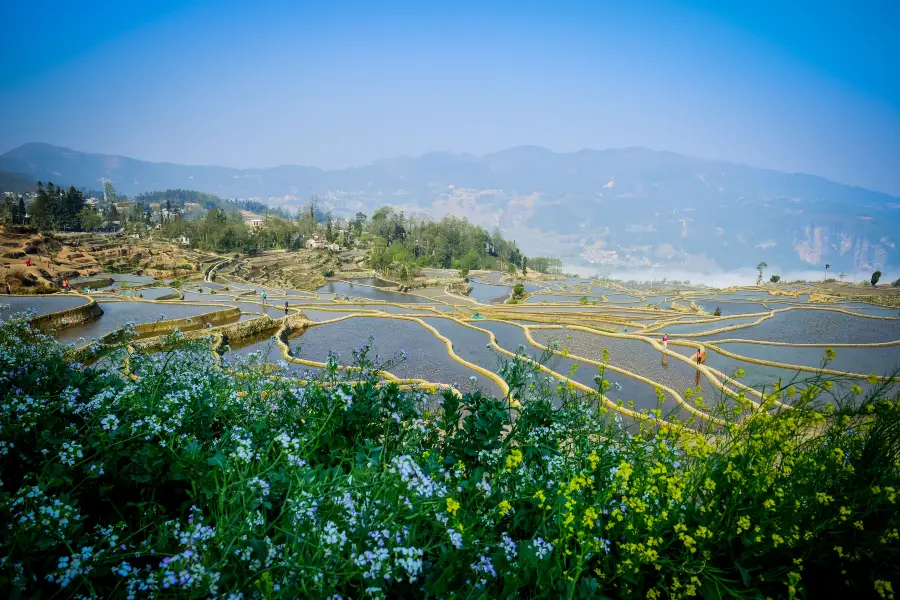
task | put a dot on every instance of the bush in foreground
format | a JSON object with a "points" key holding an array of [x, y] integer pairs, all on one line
{"points": [[193, 482]]}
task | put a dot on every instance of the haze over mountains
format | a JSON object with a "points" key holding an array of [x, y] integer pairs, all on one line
{"points": [[620, 208]]}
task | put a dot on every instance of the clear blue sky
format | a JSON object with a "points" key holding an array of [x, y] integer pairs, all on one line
{"points": [[797, 86]]}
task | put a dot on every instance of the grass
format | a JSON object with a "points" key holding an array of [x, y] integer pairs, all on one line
{"points": [[172, 477]]}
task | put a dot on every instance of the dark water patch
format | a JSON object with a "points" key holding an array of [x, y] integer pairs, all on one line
{"points": [[632, 355], [117, 314], [120, 277], [764, 377], [484, 292], [708, 326], [149, 293], [881, 360], [342, 288], [622, 388], [41, 305], [817, 327], [730, 308], [427, 356]]}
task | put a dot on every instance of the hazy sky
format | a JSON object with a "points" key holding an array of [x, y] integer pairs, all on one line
{"points": [[796, 86]]}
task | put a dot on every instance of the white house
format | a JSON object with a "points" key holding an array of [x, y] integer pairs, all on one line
{"points": [[254, 222], [315, 243]]}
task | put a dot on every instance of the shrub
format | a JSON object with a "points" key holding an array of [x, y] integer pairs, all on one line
{"points": [[875, 277], [328, 273], [194, 482], [718, 312]]}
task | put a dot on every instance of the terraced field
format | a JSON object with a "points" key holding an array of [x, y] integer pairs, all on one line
{"points": [[591, 335]]}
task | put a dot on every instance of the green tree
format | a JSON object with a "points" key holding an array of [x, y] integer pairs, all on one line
{"points": [[109, 193], [875, 277], [524, 266], [90, 219], [775, 278], [827, 266], [760, 267]]}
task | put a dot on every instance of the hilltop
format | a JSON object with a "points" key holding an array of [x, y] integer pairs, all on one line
{"points": [[629, 207]]}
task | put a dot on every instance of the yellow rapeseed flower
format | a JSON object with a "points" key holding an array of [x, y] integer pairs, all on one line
{"points": [[504, 507], [514, 459], [539, 496], [452, 506], [590, 517], [884, 589]]}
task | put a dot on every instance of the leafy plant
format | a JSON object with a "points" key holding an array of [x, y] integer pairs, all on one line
{"points": [[875, 277]]}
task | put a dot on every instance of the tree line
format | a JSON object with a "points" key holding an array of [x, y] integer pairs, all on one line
{"points": [[405, 244]]}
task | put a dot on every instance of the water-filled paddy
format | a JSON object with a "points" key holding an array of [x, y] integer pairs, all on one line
{"points": [[802, 326], [41, 305], [427, 356], [624, 388], [622, 310], [484, 292], [632, 355], [881, 360], [364, 291], [117, 314]]}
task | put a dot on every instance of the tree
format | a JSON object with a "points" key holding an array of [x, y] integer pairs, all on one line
{"points": [[718, 312], [109, 193], [760, 267], [775, 278], [89, 219], [464, 272], [359, 222], [524, 266], [827, 266], [875, 277]]}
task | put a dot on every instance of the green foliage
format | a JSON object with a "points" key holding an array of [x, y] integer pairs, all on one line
{"points": [[195, 482], [546, 264], [89, 219], [760, 267], [56, 209], [12, 210], [875, 277], [718, 312], [464, 272], [775, 278], [449, 243], [328, 273], [518, 291]]}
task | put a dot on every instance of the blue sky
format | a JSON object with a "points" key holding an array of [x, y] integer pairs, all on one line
{"points": [[796, 86]]}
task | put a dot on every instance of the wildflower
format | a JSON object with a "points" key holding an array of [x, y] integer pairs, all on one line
{"points": [[541, 548], [504, 507], [539, 496], [452, 506], [590, 517], [456, 538], [594, 459], [884, 589], [514, 459]]}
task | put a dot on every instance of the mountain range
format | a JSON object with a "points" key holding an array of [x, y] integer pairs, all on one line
{"points": [[619, 208]]}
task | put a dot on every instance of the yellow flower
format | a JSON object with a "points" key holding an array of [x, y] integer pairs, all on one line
{"points": [[452, 506], [513, 460], [539, 496], [884, 589], [590, 517], [594, 460], [504, 507]]}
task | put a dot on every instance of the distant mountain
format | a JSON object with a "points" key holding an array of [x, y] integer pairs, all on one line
{"points": [[16, 182], [623, 207]]}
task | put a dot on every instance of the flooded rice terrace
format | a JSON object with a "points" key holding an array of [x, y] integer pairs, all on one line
{"points": [[585, 332]]}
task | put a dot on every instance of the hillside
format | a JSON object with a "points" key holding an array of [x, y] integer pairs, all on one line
{"points": [[620, 208]]}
